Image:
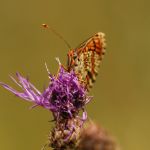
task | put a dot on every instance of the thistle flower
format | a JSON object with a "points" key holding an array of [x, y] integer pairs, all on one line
{"points": [[65, 97]]}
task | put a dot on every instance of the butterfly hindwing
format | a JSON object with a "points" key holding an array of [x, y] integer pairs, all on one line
{"points": [[86, 58]]}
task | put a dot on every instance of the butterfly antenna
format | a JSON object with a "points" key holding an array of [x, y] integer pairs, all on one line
{"points": [[56, 33]]}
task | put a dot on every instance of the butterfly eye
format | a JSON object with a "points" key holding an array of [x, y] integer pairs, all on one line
{"points": [[75, 56]]}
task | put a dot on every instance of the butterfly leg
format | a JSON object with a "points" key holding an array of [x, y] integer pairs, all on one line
{"points": [[44, 146]]}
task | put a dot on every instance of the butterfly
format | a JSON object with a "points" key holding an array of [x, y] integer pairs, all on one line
{"points": [[86, 58]]}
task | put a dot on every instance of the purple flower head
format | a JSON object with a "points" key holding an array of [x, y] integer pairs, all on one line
{"points": [[65, 96]]}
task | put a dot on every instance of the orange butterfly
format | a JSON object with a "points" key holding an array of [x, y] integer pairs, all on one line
{"points": [[86, 58]]}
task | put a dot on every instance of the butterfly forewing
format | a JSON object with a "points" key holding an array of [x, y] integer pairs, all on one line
{"points": [[86, 58]]}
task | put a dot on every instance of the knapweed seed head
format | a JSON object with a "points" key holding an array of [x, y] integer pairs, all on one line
{"points": [[95, 137]]}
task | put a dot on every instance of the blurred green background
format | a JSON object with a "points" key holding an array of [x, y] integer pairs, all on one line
{"points": [[121, 94]]}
